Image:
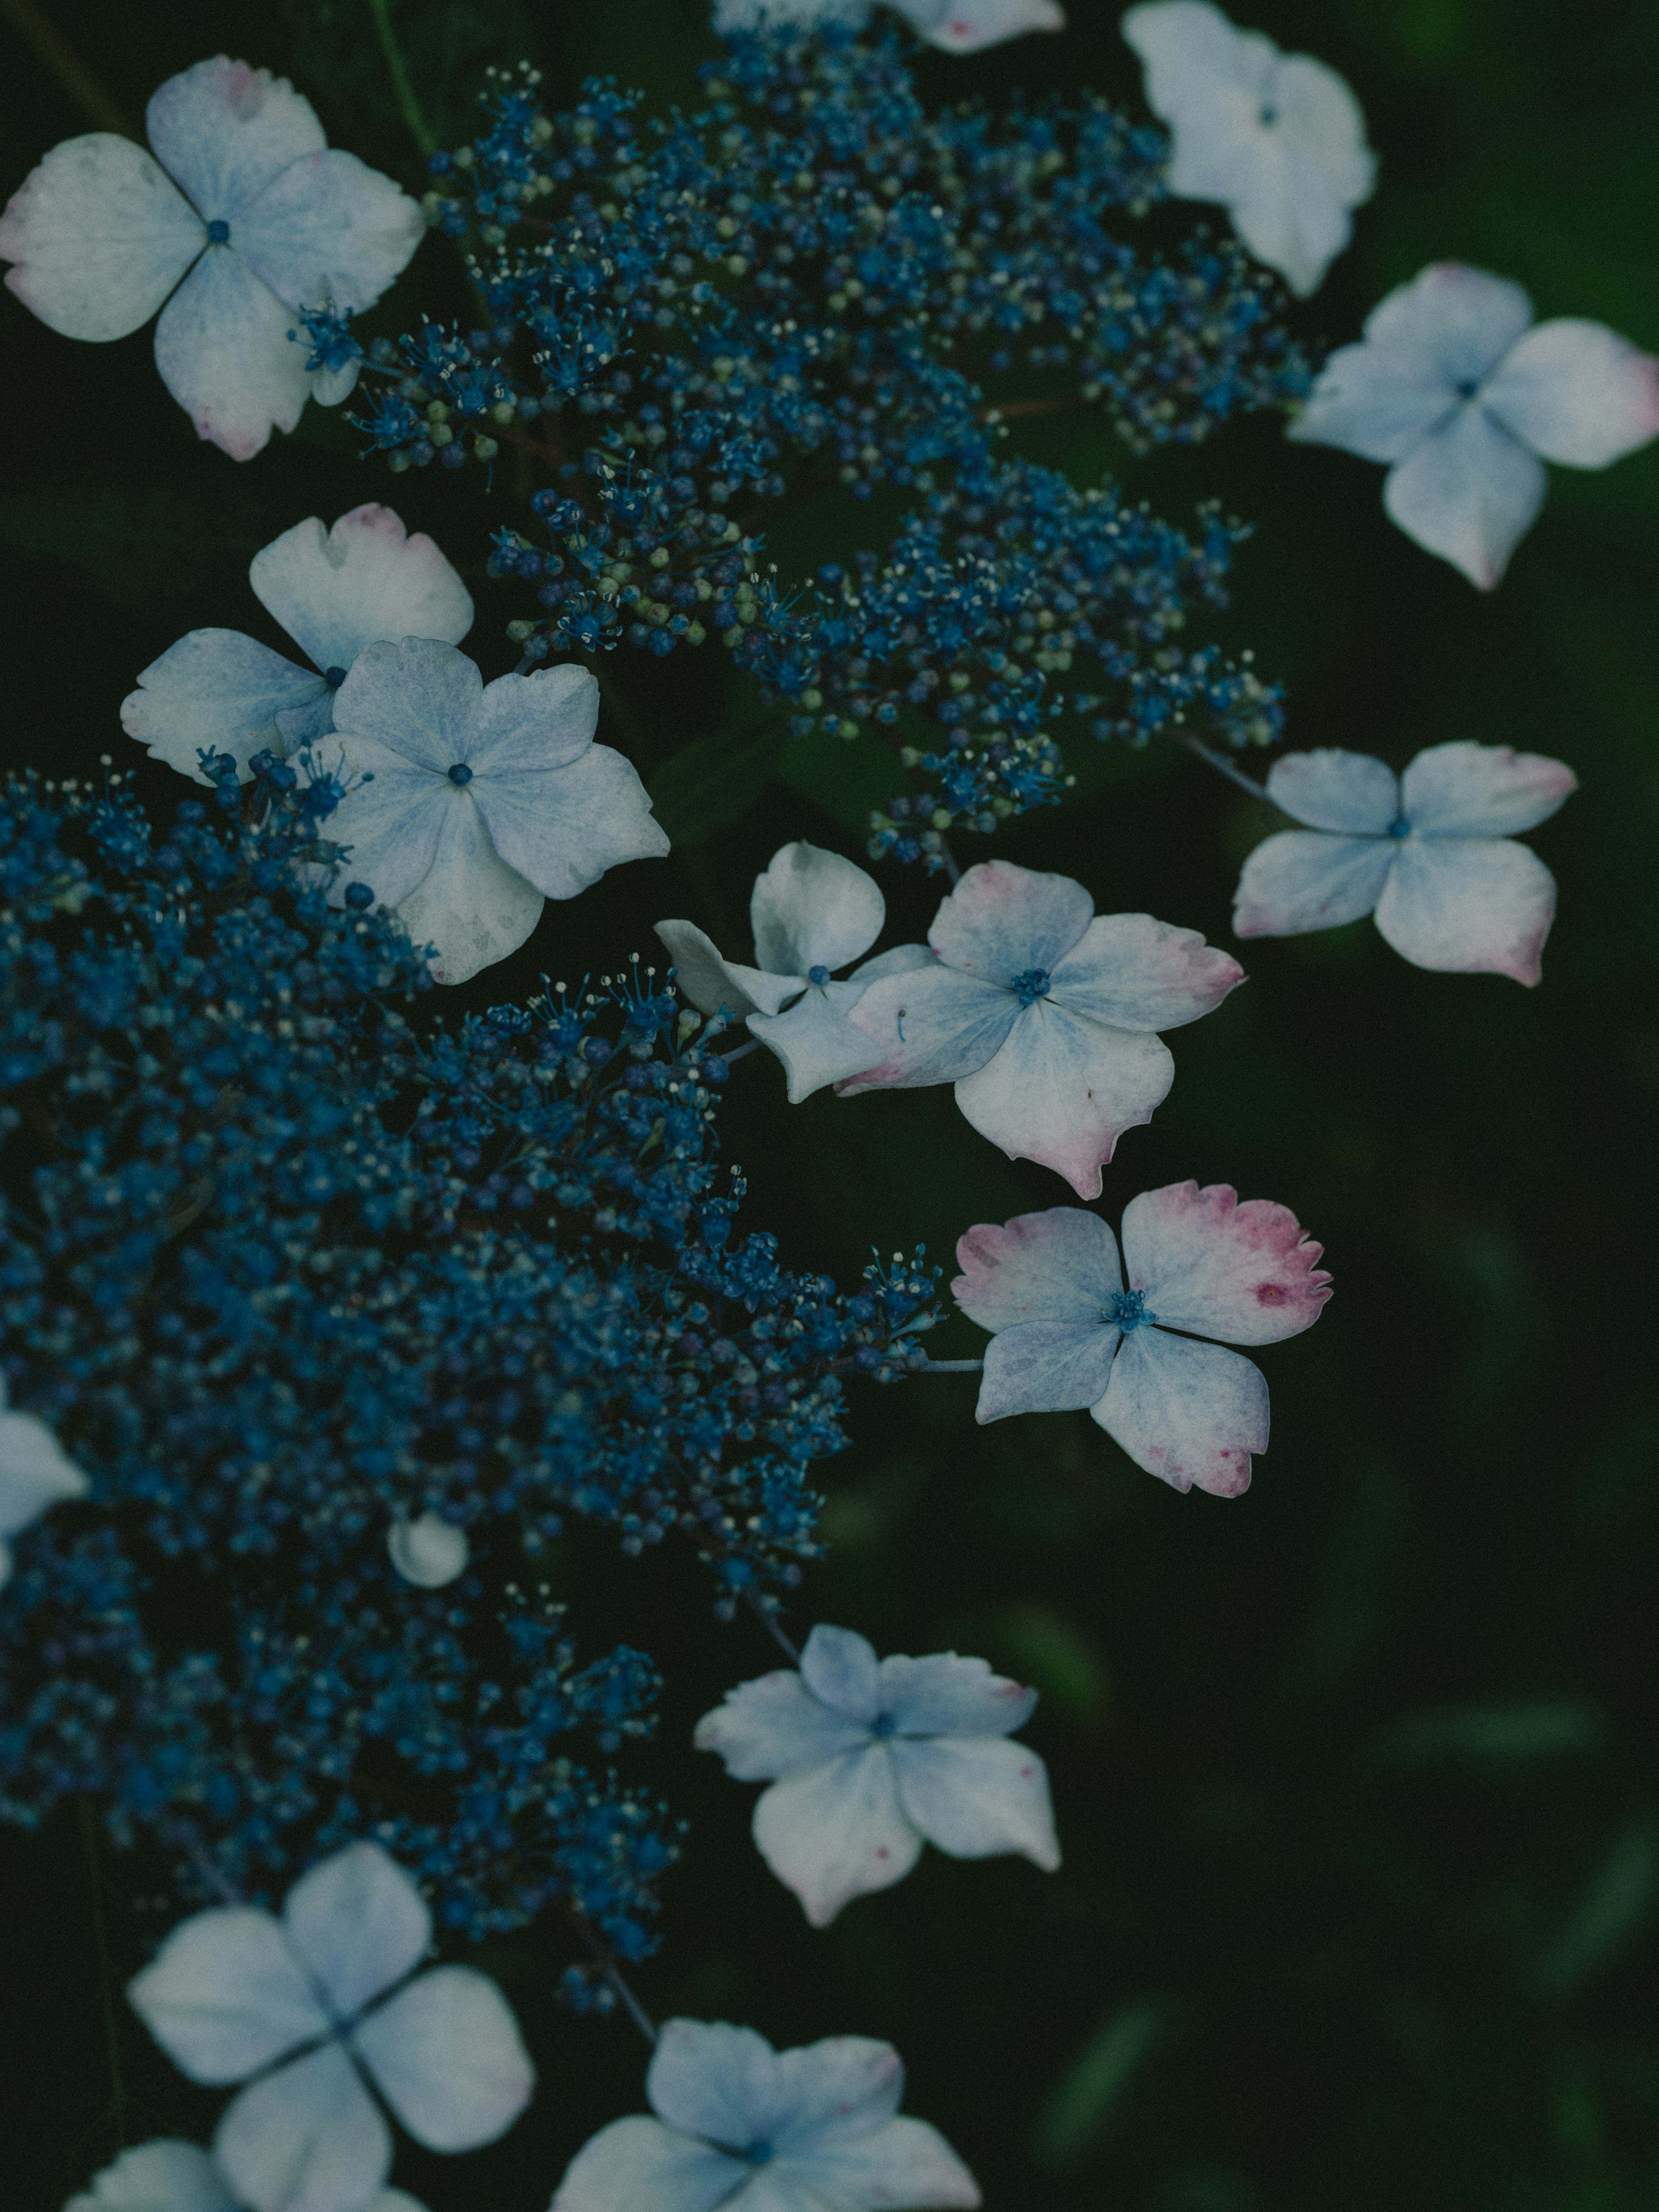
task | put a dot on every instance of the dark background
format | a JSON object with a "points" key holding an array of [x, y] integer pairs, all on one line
{"points": [[1355, 1776]]}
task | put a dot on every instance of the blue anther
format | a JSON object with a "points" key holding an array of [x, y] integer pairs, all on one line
{"points": [[460, 773], [1399, 827], [334, 677], [759, 2153], [1030, 986], [883, 1726], [818, 975], [1268, 117], [1467, 386], [218, 234], [1129, 1308]]}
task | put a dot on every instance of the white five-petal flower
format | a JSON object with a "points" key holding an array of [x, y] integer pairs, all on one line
{"points": [[1068, 1332], [1466, 397], [364, 582], [242, 217], [1277, 138], [485, 799], [750, 2129], [869, 1760], [35, 1473], [169, 2176], [1431, 852], [957, 27], [312, 2004], [1042, 1014]]}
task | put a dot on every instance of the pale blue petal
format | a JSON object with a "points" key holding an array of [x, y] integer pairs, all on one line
{"points": [[224, 130], [813, 909], [930, 1024], [359, 1923], [1058, 1265], [1469, 493], [837, 1832], [307, 2138], [945, 1694], [219, 688], [640, 2166], [1046, 1367], [363, 582], [1062, 1091], [419, 698], [1461, 320], [1464, 790], [1208, 1266], [839, 1667], [471, 906], [773, 1726], [562, 827], [712, 2079], [446, 2055], [836, 2091], [1130, 972], [225, 1994], [1576, 392], [815, 1041], [163, 2176], [100, 236], [710, 982], [1190, 1413], [224, 353], [1001, 921], [1303, 879], [1469, 906], [1330, 789], [905, 2163], [329, 231], [977, 1797]]}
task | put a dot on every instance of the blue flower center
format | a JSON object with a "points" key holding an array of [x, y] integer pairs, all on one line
{"points": [[1399, 827], [334, 677], [218, 234], [758, 2154], [1467, 386], [883, 1726], [1266, 117], [460, 773], [818, 975], [1129, 1308], [1030, 986]]}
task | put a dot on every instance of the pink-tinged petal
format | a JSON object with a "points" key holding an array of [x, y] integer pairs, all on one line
{"points": [[1462, 320], [837, 1833], [1303, 879], [930, 1024], [1001, 921], [307, 2138], [359, 1923], [708, 2078], [1373, 400], [364, 582], [100, 236], [331, 229], [968, 27], [640, 2166], [470, 905], [946, 1695], [223, 131], [1132, 972], [225, 1994], [217, 688], [163, 2176], [1576, 392], [774, 1727], [562, 827], [446, 2055], [1469, 493], [1046, 1367], [1463, 790], [711, 983], [1207, 1265], [906, 2164], [813, 909], [223, 351], [1058, 1265], [1469, 906], [419, 698], [838, 2090], [816, 1039], [838, 1666], [1062, 1091], [1190, 1413], [1329, 789], [978, 1797]]}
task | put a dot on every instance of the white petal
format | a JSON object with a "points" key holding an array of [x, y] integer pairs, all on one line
{"points": [[1330, 789], [1462, 320], [364, 582], [837, 1833], [447, 2054], [1576, 392], [471, 906], [329, 387], [1207, 1265], [394, 819], [1290, 215], [906, 2163], [100, 236], [640, 2166], [977, 1797], [774, 1726], [1319, 117], [561, 827], [1463, 790], [901, 960], [528, 724], [749, 14], [217, 688], [813, 909], [835, 2091], [838, 1666], [930, 1024], [330, 228], [1001, 921], [967, 26], [35, 1472], [224, 130], [224, 353], [419, 697], [945, 1694], [430, 1552], [1469, 493], [225, 1994], [1062, 1091], [359, 1923], [708, 2078], [815, 1040], [1374, 400], [1469, 905], [307, 2138], [710, 982], [1046, 1367], [1132, 972], [1303, 879], [1188, 1413], [164, 2176], [1061, 1265], [1190, 52]]}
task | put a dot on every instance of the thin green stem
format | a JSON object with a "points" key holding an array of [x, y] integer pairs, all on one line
{"points": [[105, 1978], [408, 106], [66, 65]]}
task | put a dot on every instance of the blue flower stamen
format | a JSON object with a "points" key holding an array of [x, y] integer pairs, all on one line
{"points": [[758, 2154], [820, 976], [1031, 985], [1399, 827], [1128, 1310], [218, 234], [334, 677], [460, 774]]}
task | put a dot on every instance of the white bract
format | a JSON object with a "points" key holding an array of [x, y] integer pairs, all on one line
{"points": [[748, 2129], [1456, 386], [168, 2176], [1277, 138], [1043, 1015], [1431, 852], [472, 802], [243, 216], [869, 1760], [364, 582], [428, 1552], [318, 2004], [35, 1473], [958, 27], [1068, 1332]]}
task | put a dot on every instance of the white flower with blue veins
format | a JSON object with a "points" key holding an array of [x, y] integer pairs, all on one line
{"points": [[869, 1759], [1466, 397], [170, 2176], [956, 27], [242, 217], [745, 2128], [35, 1473], [364, 582]]}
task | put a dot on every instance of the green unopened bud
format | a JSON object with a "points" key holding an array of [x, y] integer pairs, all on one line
{"points": [[694, 633], [440, 434], [661, 558], [849, 731], [519, 631], [485, 448], [812, 700], [398, 462], [504, 410], [943, 818], [436, 411], [909, 756]]}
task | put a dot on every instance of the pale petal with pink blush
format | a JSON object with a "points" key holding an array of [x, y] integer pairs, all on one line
{"points": [[1463, 320], [359, 1923], [1578, 393], [1130, 972], [1046, 1367], [1207, 1265], [446, 2055], [816, 1039], [837, 1833], [1469, 493], [329, 230], [100, 236], [979, 1798], [905, 2163], [1190, 1413], [1062, 1091], [946, 1694], [224, 132], [930, 1024], [811, 908], [307, 2138], [1349, 793], [712, 2079], [363, 582], [773, 1726], [1061, 1265], [837, 2090], [839, 1665], [638, 2164], [1469, 906], [224, 353], [968, 27], [1303, 879], [1463, 790], [707, 980], [1001, 921]]}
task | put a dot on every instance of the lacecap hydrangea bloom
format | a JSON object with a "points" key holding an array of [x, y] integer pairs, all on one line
{"points": [[1068, 1332], [241, 216], [170, 2176], [35, 1473], [957, 27], [1466, 397], [869, 1759], [1431, 852]]}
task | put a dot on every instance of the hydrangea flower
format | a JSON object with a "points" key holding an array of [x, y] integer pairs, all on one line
{"points": [[474, 803], [34, 1473], [959, 27], [314, 2007], [169, 2176], [812, 912], [1042, 1014], [1431, 852], [750, 2128], [243, 216], [1466, 397], [1277, 138], [869, 1760], [363, 582], [1068, 1334], [430, 1552]]}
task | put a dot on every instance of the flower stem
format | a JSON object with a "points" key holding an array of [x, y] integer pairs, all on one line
{"points": [[66, 65], [768, 1620], [602, 1955], [408, 106], [950, 1367], [1223, 767]]}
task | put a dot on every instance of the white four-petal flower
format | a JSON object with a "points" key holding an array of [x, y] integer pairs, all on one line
{"points": [[310, 2004], [869, 1760], [1042, 1014], [245, 203], [1431, 852], [1068, 1334], [748, 2129], [34, 1473], [485, 799], [958, 27], [1466, 397], [430, 1552], [364, 582], [169, 2176], [1277, 138]]}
